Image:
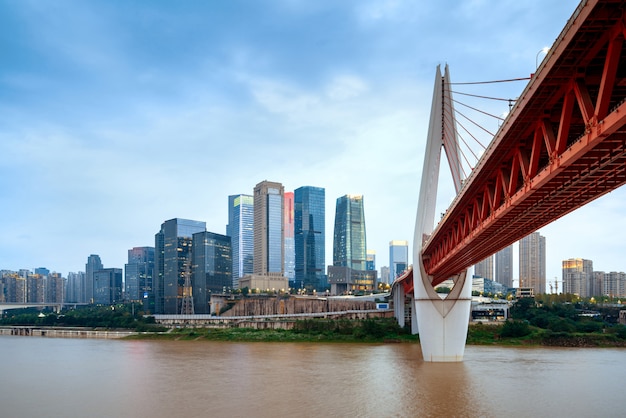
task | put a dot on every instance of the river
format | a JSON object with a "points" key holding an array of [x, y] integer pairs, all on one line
{"points": [[57, 377]]}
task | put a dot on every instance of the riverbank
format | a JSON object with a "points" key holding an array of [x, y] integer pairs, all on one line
{"points": [[53, 332]]}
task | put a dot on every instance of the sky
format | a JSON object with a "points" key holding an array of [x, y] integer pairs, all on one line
{"points": [[118, 115]]}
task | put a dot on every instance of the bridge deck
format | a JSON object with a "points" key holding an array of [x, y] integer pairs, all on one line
{"points": [[562, 146]]}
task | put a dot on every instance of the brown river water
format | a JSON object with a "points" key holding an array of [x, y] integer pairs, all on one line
{"points": [[59, 377]]}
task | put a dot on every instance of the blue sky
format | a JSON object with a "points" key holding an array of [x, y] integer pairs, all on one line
{"points": [[118, 115]]}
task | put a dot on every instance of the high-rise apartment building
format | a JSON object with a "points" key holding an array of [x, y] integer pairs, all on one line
{"points": [[310, 236], [75, 287], [484, 268], [107, 286], [349, 244], [269, 256], [532, 263], [172, 262], [240, 229], [578, 277], [398, 259], [55, 288], [93, 264], [138, 275], [211, 268], [504, 266], [288, 228]]}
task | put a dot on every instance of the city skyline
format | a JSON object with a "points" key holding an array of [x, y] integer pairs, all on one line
{"points": [[98, 122]]}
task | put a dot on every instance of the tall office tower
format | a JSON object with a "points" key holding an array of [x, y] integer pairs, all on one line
{"points": [[349, 244], [310, 236], [370, 260], [269, 246], [93, 264], [75, 287], [172, 262], [504, 266], [532, 262], [211, 268], [55, 288], [484, 268], [107, 286], [398, 259], [138, 276], [288, 228], [240, 229], [578, 277]]}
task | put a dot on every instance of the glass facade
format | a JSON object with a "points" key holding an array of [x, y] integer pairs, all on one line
{"points": [[349, 245], [310, 237], [240, 229], [274, 231], [138, 276], [398, 259], [288, 228], [211, 268], [172, 262], [93, 264], [107, 286]]}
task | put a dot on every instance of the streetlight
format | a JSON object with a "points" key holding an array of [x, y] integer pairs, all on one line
{"points": [[543, 50]]}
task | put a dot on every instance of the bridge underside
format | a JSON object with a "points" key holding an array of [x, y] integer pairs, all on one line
{"points": [[563, 145]]}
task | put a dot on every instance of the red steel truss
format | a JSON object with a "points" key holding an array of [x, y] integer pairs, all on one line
{"points": [[563, 145]]}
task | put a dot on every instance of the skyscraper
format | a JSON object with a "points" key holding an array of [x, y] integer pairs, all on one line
{"points": [[212, 267], [107, 286], [504, 266], [370, 260], [349, 244], [93, 264], [578, 277], [172, 262], [484, 268], [398, 259], [532, 262], [288, 228], [240, 229], [269, 256], [310, 236], [75, 287], [349, 273], [138, 276]]}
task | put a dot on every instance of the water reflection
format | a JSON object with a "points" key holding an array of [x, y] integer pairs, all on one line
{"points": [[57, 377]]}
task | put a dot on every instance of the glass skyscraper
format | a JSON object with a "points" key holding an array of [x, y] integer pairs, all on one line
{"points": [[172, 261], [349, 244], [268, 229], [212, 267], [288, 228], [107, 286], [93, 264], [138, 276], [310, 237], [398, 259], [240, 229]]}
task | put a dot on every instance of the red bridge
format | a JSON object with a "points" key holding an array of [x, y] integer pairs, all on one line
{"points": [[562, 146]]}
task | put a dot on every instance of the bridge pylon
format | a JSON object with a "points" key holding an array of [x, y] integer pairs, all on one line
{"points": [[442, 321]]}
